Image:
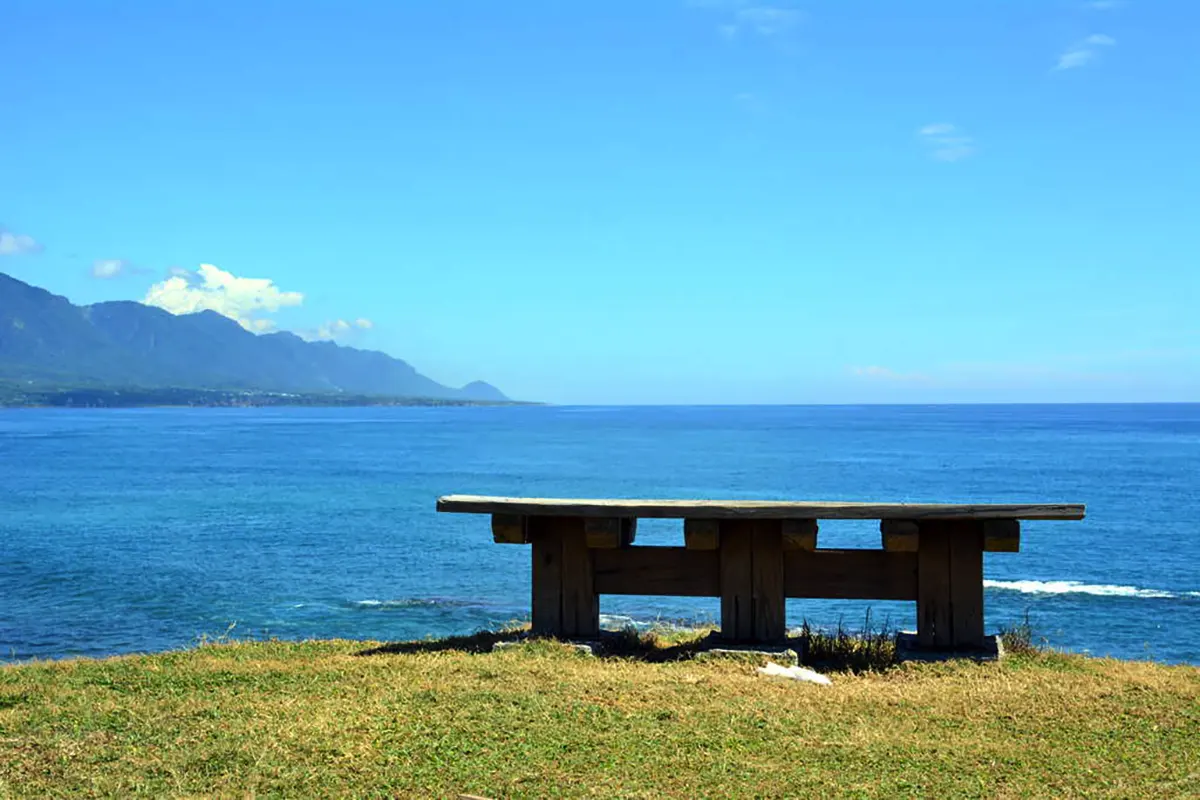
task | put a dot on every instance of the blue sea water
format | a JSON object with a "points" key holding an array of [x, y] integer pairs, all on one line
{"points": [[143, 530]]}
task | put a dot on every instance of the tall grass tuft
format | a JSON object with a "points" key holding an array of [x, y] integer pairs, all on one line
{"points": [[1019, 639], [866, 650]]}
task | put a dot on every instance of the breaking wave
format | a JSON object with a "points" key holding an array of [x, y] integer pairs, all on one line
{"points": [[1076, 587], [414, 602]]}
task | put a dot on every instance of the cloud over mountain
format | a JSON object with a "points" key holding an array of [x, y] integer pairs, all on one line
{"points": [[245, 300], [17, 244]]}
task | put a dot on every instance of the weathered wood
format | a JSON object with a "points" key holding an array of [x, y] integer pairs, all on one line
{"points": [[799, 534], [608, 532], [1002, 536], [509, 529], [628, 531], [547, 577], [580, 602], [834, 574], [752, 509], [754, 554], [768, 619], [668, 571], [899, 535], [966, 584], [737, 581], [933, 586], [701, 534], [602, 532], [850, 575]]}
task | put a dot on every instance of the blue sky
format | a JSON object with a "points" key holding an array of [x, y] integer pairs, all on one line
{"points": [[634, 202]]}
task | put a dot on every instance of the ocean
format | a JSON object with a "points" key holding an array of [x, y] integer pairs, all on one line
{"points": [[151, 529]]}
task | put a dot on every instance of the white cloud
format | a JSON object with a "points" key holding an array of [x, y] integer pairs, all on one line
{"points": [[1076, 367], [105, 268], [747, 17], [766, 20], [875, 372], [332, 330], [1084, 51], [17, 244], [751, 103], [245, 300], [336, 331], [946, 142], [872, 372]]}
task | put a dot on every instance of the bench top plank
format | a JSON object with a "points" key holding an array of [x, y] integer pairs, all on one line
{"points": [[751, 509]]}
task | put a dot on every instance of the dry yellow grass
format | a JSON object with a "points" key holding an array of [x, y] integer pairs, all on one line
{"points": [[319, 719]]}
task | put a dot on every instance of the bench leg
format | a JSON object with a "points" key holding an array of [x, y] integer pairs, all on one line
{"points": [[966, 586], [950, 585], [564, 601], [752, 593], [581, 604]]}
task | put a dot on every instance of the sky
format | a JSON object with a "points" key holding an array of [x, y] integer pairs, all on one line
{"points": [[634, 201]]}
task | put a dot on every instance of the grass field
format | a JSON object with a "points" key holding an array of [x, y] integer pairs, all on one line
{"points": [[336, 719]]}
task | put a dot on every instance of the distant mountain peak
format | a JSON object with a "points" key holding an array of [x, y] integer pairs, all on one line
{"points": [[481, 390], [125, 343]]}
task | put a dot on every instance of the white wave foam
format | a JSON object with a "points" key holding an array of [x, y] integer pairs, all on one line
{"points": [[615, 622], [414, 602], [405, 603], [1075, 587]]}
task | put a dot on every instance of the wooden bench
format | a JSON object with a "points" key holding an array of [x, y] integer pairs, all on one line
{"points": [[754, 555]]}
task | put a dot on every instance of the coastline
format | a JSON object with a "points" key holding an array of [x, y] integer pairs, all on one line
{"points": [[93, 398]]}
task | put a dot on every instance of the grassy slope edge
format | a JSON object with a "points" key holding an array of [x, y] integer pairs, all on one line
{"points": [[324, 718]]}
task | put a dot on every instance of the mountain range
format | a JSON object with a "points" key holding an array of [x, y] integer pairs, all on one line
{"points": [[45, 339]]}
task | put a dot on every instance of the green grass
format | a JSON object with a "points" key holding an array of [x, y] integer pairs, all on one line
{"points": [[434, 719]]}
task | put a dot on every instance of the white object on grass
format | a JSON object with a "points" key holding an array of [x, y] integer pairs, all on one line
{"points": [[773, 670]]}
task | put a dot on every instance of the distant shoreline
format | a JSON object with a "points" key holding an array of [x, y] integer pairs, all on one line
{"points": [[93, 398]]}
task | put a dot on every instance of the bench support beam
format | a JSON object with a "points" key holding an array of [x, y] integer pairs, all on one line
{"points": [[799, 534], [701, 534], [1002, 536], [608, 532], [510, 529], [829, 573]]}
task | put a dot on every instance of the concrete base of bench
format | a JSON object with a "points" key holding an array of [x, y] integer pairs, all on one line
{"points": [[909, 648]]}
